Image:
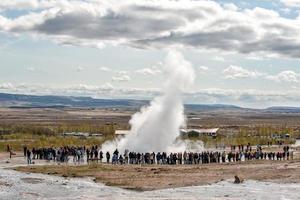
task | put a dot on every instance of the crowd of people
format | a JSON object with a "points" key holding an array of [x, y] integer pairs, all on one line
{"points": [[62, 154], [82, 154]]}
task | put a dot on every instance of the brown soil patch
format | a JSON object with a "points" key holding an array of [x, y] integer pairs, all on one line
{"points": [[154, 177]]}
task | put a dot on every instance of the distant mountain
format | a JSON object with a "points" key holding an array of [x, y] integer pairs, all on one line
{"points": [[49, 101], [20, 100], [29, 101], [203, 107], [283, 109]]}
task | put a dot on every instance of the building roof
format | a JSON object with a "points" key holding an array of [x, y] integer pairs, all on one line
{"points": [[211, 130], [203, 130], [122, 132], [76, 134]]}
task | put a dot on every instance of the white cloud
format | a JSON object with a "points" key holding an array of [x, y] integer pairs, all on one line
{"points": [[79, 69], [286, 10], [285, 76], [107, 86], [90, 89], [291, 3], [106, 90], [121, 78], [18, 4], [219, 59], [158, 24], [249, 97], [231, 6], [118, 72], [105, 69], [5, 86], [256, 57], [122, 72], [84, 87], [236, 72], [149, 71], [31, 69], [203, 68]]}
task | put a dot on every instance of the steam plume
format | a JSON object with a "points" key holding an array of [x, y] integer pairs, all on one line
{"points": [[156, 127]]}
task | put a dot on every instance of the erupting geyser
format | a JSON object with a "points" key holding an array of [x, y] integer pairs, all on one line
{"points": [[156, 127]]}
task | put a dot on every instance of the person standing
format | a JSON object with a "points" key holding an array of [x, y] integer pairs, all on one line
{"points": [[10, 154], [107, 157], [101, 156], [87, 155], [28, 153], [96, 154], [25, 151]]}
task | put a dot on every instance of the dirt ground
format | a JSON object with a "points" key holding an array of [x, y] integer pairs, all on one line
{"points": [[154, 177], [143, 178]]}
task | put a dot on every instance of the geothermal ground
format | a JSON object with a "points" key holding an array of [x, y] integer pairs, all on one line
{"points": [[143, 178], [39, 186], [43, 180], [155, 177], [263, 180]]}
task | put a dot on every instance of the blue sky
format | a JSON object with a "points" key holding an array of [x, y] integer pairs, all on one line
{"points": [[244, 52]]}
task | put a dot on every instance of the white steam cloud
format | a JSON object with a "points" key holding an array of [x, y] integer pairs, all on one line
{"points": [[156, 127]]}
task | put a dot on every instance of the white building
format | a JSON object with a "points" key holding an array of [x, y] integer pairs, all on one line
{"points": [[122, 132], [200, 132], [82, 134], [77, 134]]}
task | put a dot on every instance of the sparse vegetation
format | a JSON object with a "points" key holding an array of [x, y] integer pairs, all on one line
{"points": [[44, 127], [253, 135], [31, 135], [58, 128], [17, 141]]}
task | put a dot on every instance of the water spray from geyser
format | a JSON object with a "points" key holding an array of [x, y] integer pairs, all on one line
{"points": [[156, 126]]}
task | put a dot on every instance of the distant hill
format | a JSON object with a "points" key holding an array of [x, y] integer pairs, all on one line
{"points": [[285, 109], [20, 100], [203, 107], [51, 101]]}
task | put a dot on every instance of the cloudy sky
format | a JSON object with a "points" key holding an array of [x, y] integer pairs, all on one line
{"points": [[244, 52]]}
